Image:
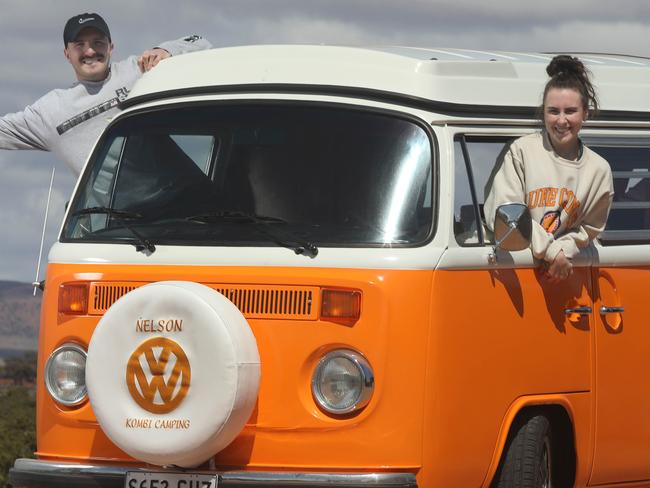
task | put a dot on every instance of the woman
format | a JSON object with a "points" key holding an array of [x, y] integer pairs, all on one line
{"points": [[567, 187]]}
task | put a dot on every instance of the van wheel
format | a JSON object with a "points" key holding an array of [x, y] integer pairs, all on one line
{"points": [[528, 461]]}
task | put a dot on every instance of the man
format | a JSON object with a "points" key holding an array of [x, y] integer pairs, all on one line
{"points": [[68, 121]]}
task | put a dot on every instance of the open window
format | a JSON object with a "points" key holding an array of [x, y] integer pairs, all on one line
{"points": [[629, 158]]}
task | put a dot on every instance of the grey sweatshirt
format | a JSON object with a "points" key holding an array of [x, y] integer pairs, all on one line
{"points": [[569, 201], [68, 121]]}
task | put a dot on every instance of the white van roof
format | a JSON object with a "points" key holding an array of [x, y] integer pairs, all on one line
{"points": [[448, 81]]}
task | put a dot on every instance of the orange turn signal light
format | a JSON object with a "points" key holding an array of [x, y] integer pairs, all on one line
{"points": [[73, 298], [341, 306]]}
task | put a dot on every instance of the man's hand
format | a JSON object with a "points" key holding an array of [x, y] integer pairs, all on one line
{"points": [[560, 269], [151, 57]]}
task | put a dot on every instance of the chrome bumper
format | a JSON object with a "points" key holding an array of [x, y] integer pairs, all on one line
{"points": [[34, 473]]}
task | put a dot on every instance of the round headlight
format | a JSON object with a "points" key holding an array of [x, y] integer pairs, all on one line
{"points": [[342, 382], [65, 375]]}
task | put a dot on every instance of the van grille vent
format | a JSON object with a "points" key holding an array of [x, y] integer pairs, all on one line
{"points": [[275, 302], [254, 301], [103, 295]]}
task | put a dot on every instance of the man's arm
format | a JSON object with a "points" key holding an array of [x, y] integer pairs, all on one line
{"points": [[23, 130], [151, 57]]}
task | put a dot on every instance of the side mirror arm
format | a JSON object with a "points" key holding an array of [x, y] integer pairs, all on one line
{"points": [[512, 229]]}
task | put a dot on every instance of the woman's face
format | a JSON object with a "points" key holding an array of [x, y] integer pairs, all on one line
{"points": [[564, 115]]}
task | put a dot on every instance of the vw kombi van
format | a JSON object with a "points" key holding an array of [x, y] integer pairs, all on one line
{"points": [[274, 271]]}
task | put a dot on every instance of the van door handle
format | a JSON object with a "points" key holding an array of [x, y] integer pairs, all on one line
{"points": [[585, 310], [604, 310]]}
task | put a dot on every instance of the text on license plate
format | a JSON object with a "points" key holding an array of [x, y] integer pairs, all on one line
{"points": [[153, 479]]}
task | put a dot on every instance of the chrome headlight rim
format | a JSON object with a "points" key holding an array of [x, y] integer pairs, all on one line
{"points": [[367, 382], [50, 388]]}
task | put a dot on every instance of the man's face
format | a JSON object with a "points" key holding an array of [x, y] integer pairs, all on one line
{"points": [[90, 55]]}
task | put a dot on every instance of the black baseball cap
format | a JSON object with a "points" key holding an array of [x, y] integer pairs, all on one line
{"points": [[75, 24]]}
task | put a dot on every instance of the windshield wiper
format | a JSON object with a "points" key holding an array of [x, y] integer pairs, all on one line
{"points": [[235, 217], [121, 217], [303, 247]]}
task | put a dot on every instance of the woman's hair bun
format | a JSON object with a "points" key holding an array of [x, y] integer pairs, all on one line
{"points": [[566, 65], [569, 72]]}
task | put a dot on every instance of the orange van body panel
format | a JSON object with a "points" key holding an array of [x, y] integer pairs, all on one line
{"points": [[622, 402], [439, 408], [498, 337], [287, 429]]}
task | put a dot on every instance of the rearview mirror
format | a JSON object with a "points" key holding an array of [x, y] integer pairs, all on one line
{"points": [[512, 227]]}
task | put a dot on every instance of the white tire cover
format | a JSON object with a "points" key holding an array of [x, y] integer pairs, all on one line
{"points": [[177, 395]]}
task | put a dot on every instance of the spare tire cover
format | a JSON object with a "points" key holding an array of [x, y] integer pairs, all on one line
{"points": [[172, 373]]}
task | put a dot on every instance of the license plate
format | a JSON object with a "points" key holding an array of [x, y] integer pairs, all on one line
{"points": [[154, 479]]}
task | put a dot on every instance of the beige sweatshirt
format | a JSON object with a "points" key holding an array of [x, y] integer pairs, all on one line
{"points": [[569, 201]]}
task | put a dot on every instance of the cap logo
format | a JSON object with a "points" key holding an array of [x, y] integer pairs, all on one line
{"points": [[158, 375], [83, 21]]}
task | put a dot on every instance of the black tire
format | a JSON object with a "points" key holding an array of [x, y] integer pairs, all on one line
{"points": [[527, 461]]}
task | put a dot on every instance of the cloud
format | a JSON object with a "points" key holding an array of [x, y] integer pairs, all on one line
{"points": [[417, 14]]}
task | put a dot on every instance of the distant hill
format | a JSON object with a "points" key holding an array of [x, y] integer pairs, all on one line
{"points": [[19, 317]]}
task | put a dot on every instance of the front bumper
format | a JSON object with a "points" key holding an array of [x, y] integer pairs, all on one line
{"points": [[34, 473]]}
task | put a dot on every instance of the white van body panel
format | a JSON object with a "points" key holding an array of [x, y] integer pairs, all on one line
{"points": [[453, 76], [89, 253]]}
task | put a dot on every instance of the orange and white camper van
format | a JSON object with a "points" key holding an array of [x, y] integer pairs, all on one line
{"points": [[273, 272]]}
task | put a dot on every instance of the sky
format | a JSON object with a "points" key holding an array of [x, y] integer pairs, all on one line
{"points": [[32, 61]]}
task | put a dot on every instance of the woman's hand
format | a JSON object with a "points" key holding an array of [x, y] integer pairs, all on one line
{"points": [[560, 269]]}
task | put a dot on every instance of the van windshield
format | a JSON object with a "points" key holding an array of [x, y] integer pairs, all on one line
{"points": [[243, 174]]}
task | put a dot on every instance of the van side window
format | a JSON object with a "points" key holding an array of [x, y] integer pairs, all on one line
{"points": [[629, 218], [99, 194], [474, 159]]}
